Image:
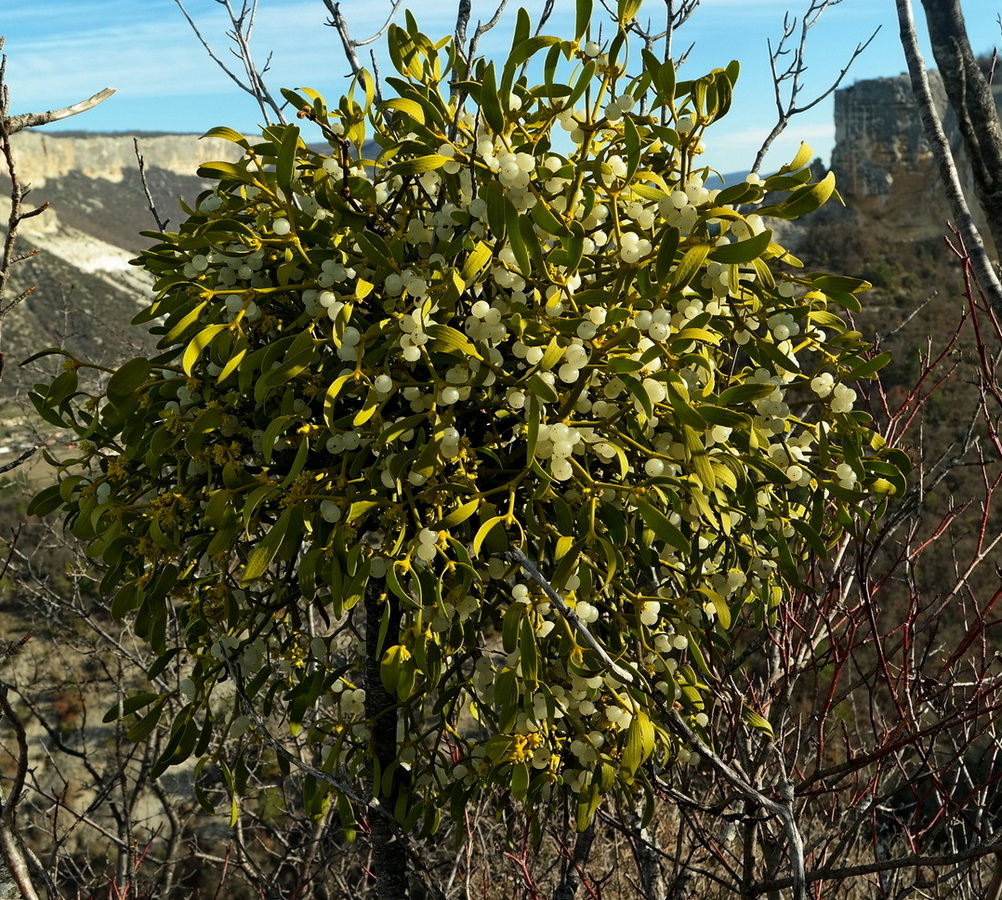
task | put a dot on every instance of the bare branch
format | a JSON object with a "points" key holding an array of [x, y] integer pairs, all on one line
{"points": [[161, 223], [339, 24], [253, 82], [787, 108], [483, 28], [15, 124], [519, 558]]}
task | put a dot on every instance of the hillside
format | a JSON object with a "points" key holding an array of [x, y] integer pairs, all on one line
{"points": [[86, 293]]}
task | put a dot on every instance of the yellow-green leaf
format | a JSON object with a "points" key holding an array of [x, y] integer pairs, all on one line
{"points": [[461, 513], [691, 263], [449, 339], [758, 722], [197, 344]]}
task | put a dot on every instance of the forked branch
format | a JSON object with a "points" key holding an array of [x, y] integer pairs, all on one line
{"points": [[791, 77]]}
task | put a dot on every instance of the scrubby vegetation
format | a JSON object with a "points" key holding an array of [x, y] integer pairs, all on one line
{"points": [[521, 517]]}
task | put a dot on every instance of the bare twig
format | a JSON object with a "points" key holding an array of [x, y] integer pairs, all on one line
{"points": [[519, 558], [787, 108], [15, 124], [14, 854], [252, 82], [161, 223]]}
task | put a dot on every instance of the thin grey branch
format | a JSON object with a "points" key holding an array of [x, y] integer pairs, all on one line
{"points": [[161, 223], [242, 27], [15, 124], [788, 107]]}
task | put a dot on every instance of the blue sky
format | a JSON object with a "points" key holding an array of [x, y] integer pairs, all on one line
{"points": [[60, 51]]}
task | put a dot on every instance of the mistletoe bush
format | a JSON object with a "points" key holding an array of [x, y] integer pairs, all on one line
{"points": [[492, 391]]}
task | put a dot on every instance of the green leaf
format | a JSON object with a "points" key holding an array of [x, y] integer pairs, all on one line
{"points": [[527, 49], [691, 263], [659, 523], [262, 555], [719, 415], [374, 247], [827, 319], [197, 344], [804, 156], [668, 242], [450, 340], [510, 626], [410, 108], [330, 410], [744, 393], [720, 606], [742, 251], [758, 722], [581, 85], [490, 105], [475, 262], [696, 334], [227, 134], [285, 165], [130, 705], [528, 651], [582, 18], [483, 531], [639, 742], [224, 171], [547, 221], [627, 11], [542, 389], [839, 283], [662, 74], [519, 780], [180, 327], [461, 513], [870, 367], [368, 410], [359, 508], [700, 457], [123, 384], [420, 164], [806, 199], [144, 727]]}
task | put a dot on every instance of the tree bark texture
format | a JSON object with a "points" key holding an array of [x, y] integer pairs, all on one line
{"points": [[15, 878], [981, 264], [973, 102], [389, 853]]}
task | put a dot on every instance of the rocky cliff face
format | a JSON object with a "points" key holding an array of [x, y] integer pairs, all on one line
{"points": [[85, 291], [43, 157], [884, 165]]}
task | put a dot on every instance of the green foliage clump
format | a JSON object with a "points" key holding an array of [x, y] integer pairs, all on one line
{"points": [[520, 320]]}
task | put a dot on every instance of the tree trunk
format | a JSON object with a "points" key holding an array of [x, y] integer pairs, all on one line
{"points": [[648, 856], [389, 853], [15, 878], [973, 102], [570, 880]]}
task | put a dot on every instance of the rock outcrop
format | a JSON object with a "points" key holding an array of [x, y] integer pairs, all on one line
{"points": [[883, 163], [43, 156]]}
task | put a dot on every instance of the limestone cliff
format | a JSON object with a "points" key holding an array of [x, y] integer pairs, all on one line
{"points": [[85, 291], [884, 165], [43, 156]]}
